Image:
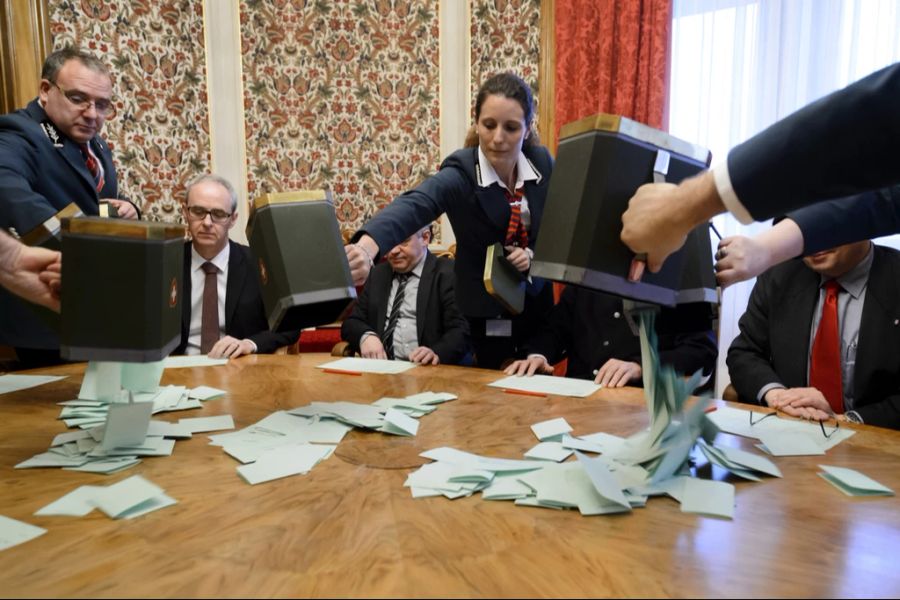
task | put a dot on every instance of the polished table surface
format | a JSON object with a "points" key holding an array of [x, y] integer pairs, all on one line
{"points": [[350, 528]]}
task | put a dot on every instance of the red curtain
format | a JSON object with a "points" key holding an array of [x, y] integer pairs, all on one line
{"points": [[612, 56]]}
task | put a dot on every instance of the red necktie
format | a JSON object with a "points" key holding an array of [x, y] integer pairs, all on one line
{"points": [[515, 231], [93, 165], [825, 359]]}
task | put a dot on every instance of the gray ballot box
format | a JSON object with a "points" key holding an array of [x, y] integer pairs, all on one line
{"points": [[121, 297], [601, 161], [303, 271]]}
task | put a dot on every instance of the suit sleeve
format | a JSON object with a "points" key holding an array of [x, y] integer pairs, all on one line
{"points": [[354, 326], [453, 345], [850, 219], [749, 355], [22, 207], [843, 144], [416, 208], [268, 342]]}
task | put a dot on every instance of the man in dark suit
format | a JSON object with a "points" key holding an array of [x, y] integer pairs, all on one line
{"points": [[590, 329], [407, 309], [224, 317], [51, 154], [821, 337]]}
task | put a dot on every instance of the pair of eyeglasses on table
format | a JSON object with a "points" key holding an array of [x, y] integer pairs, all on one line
{"points": [[827, 434]]}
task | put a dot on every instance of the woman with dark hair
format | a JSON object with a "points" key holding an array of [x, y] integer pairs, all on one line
{"points": [[493, 190]]}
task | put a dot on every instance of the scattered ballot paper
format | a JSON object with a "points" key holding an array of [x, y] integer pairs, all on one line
{"points": [[853, 483], [13, 533], [552, 430]]}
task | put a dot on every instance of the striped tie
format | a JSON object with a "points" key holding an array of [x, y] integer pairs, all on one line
{"points": [[93, 165], [515, 231], [387, 338]]}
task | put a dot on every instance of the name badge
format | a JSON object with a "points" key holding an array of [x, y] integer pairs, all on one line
{"points": [[498, 328]]}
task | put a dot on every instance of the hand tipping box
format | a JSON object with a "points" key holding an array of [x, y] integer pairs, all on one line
{"points": [[600, 163], [121, 298], [303, 270]]}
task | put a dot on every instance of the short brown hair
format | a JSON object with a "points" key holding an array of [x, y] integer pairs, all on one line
{"points": [[59, 58]]}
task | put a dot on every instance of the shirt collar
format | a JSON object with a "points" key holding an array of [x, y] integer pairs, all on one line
{"points": [[220, 259], [854, 281], [525, 171]]}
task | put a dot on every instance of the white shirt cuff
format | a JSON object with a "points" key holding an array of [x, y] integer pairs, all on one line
{"points": [[255, 347], [761, 395], [728, 195]]}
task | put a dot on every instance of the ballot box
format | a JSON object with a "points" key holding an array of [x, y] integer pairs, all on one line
{"points": [[303, 271], [600, 163], [121, 289]]}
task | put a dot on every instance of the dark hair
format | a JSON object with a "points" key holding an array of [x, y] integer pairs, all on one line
{"points": [[509, 86], [58, 58]]}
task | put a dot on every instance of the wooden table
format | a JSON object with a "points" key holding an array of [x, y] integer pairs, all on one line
{"points": [[350, 528]]}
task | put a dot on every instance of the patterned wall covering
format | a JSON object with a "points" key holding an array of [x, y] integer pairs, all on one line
{"points": [[159, 135], [343, 95], [506, 36]]}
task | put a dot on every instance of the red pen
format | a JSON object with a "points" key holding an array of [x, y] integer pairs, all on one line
{"points": [[341, 372], [524, 393]]}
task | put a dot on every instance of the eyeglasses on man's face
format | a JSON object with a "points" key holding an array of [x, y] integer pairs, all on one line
{"points": [[83, 102], [216, 214]]}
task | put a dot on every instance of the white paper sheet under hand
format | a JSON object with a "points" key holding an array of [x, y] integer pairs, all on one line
{"points": [[183, 362], [547, 384], [368, 365], [14, 383], [13, 533]]}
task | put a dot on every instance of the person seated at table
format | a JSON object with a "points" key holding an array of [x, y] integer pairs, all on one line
{"points": [[223, 308], [423, 325], [820, 337], [590, 329]]}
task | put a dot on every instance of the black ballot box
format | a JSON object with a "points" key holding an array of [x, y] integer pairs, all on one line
{"points": [[48, 234], [303, 271], [121, 289], [600, 163]]}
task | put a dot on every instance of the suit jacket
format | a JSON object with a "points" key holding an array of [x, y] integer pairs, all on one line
{"points": [[589, 328], [841, 221], [843, 144], [773, 345], [439, 324], [245, 316], [41, 172], [479, 216]]}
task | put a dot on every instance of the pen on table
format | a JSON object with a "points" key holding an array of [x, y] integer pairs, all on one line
{"points": [[524, 393], [342, 372]]}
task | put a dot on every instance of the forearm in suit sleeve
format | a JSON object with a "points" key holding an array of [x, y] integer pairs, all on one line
{"points": [[850, 219], [883, 414], [268, 342], [842, 144], [748, 357], [359, 321], [414, 209]]}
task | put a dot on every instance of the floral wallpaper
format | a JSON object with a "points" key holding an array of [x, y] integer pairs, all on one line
{"points": [[506, 36], [160, 132], [342, 95]]}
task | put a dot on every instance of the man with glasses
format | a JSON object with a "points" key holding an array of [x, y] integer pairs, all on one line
{"points": [[408, 310], [51, 155], [223, 310], [820, 337]]}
